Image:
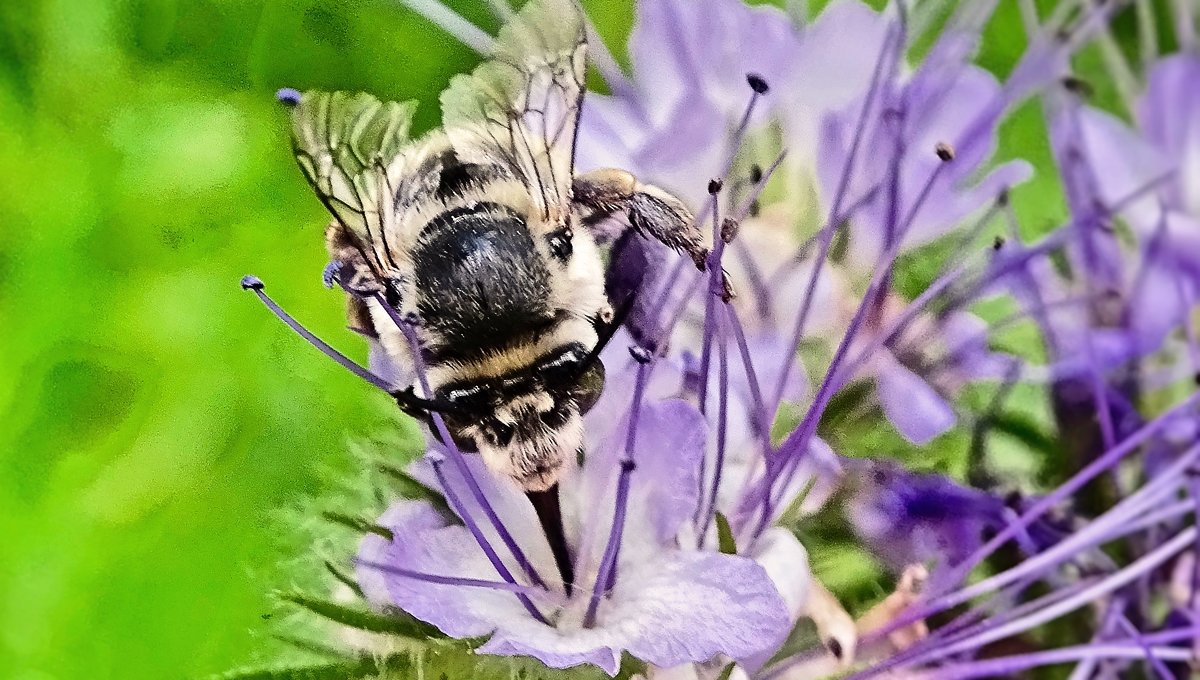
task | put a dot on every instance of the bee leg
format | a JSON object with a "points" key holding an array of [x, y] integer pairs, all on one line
{"points": [[602, 195], [410, 403]]}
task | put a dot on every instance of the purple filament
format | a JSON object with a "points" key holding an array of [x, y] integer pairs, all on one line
{"points": [[1105, 528], [722, 422], [605, 576], [253, 283], [497, 563], [1152, 660], [888, 59], [445, 580], [796, 445]]}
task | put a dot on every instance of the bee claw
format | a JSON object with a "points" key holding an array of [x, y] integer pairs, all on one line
{"points": [[331, 274]]}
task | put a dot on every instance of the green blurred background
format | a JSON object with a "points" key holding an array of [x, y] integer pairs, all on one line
{"points": [[156, 418]]}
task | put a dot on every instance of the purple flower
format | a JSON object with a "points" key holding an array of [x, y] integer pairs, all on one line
{"points": [[665, 604]]}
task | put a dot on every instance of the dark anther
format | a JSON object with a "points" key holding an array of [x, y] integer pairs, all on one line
{"points": [[727, 293], [998, 243], [944, 151], [714, 185], [1002, 197], [628, 466], [1077, 86], [252, 282], [755, 208], [756, 173], [560, 243], [835, 647], [1196, 378], [729, 229], [639, 354], [757, 83], [288, 96]]}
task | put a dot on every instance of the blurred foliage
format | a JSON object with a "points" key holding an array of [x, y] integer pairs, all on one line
{"points": [[156, 417]]}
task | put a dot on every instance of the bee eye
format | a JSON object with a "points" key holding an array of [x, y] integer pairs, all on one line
{"points": [[560, 243]]}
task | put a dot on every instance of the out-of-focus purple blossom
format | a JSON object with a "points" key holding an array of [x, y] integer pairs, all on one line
{"points": [[908, 518]]}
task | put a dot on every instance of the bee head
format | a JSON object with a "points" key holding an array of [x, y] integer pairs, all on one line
{"points": [[528, 424], [529, 439]]}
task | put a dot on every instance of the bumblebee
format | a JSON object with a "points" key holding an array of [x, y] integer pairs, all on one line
{"points": [[484, 235]]}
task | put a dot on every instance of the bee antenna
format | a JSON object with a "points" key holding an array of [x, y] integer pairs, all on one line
{"points": [[255, 285], [288, 96]]}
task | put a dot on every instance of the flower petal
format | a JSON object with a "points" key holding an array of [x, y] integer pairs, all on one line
{"points": [[693, 606], [425, 542], [910, 403], [675, 608]]}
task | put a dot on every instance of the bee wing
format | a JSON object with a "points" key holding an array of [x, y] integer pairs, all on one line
{"points": [[523, 105], [344, 143]]}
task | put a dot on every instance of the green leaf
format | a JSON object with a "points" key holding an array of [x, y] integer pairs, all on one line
{"points": [[361, 667], [725, 541], [357, 524], [346, 579], [408, 487], [393, 623], [727, 672]]}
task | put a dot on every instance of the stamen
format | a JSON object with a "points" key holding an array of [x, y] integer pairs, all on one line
{"points": [[606, 575], [498, 564], [406, 327], [796, 445], [722, 421], [762, 418], [453, 23], [1104, 529], [889, 55], [715, 278], [1107, 585], [255, 284], [444, 580], [1160, 669], [1013, 666], [758, 282], [1194, 492], [759, 88]]}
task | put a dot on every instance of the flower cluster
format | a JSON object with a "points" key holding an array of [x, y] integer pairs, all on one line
{"points": [[829, 163]]}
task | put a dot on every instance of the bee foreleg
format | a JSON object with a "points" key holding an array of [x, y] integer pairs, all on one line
{"points": [[602, 195]]}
